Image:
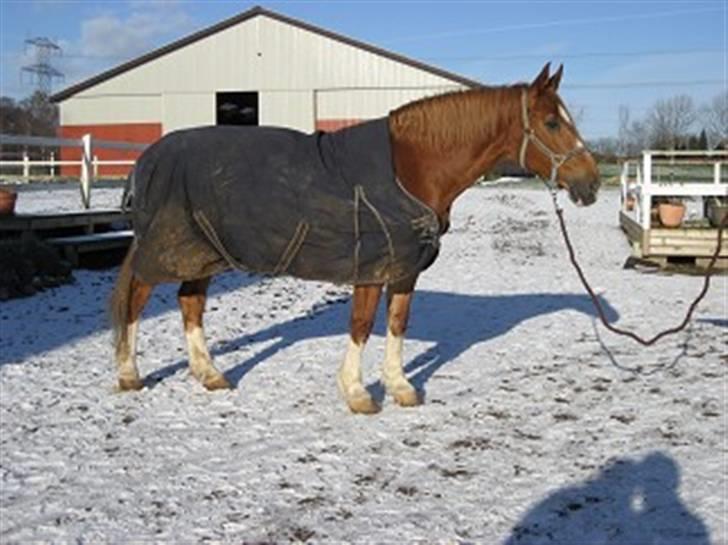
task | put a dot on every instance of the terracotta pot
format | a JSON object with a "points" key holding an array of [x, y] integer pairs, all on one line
{"points": [[630, 202], [671, 215], [7, 202]]}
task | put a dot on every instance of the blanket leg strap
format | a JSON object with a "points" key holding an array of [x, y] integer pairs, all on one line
{"points": [[294, 245]]}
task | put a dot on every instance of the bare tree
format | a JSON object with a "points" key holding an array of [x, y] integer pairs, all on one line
{"points": [[714, 116], [623, 134], [669, 121]]}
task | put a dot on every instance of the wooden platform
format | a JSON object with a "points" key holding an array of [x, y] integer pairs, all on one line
{"points": [[73, 247], [88, 221], [679, 245], [75, 234]]}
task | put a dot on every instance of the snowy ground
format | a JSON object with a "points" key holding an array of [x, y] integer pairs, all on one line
{"points": [[538, 426]]}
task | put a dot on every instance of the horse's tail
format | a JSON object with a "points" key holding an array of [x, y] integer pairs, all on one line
{"points": [[119, 303]]}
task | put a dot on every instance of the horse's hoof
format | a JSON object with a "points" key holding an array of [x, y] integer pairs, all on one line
{"points": [[218, 383], [130, 384], [407, 397], [363, 404]]}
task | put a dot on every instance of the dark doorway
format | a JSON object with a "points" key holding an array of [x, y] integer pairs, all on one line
{"points": [[238, 108]]}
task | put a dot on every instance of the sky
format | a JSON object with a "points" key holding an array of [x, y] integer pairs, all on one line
{"points": [[614, 52]]}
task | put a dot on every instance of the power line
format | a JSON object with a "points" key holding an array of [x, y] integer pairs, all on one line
{"points": [[547, 24], [631, 84], [518, 56]]}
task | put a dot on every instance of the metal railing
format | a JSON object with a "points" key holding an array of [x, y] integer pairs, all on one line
{"points": [[671, 174], [88, 163]]}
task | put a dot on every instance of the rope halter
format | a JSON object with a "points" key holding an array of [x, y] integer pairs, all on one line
{"points": [[529, 135]]}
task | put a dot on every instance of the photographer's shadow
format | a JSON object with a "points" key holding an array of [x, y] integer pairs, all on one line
{"points": [[629, 502]]}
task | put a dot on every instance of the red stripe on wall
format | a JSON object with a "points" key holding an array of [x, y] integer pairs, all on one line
{"points": [[331, 125], [143, 133]]}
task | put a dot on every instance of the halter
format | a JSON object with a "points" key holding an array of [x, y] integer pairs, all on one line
{"points": [[529, 135]]}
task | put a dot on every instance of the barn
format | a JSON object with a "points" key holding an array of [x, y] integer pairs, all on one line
{"points": [[256, 68]]}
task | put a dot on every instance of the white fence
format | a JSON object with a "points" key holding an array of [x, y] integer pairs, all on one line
{"points": [[88, 163], [671, 174]]}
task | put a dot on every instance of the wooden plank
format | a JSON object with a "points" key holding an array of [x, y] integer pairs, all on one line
{"points": [[674, 241], [630, 227], [688, 234], [31, 222], [695, 251], [91, 239]]}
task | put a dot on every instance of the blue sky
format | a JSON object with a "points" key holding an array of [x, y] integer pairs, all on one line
{"points": [[614, 52]]}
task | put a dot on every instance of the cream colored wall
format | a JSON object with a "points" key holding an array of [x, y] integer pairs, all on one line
{"points": [[285, 64], [108, 109], [183, 111], [293, 109]]}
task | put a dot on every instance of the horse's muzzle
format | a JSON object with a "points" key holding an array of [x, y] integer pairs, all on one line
{"points": [[584, 192]]}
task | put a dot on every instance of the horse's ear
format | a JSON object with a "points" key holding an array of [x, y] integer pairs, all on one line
{"points": [[556, 78], [542, 79]]}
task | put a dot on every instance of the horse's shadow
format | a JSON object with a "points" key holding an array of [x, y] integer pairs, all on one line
{"points": [[83, 315], [453, 322]]}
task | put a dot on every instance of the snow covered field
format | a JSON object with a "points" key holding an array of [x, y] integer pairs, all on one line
{"points": [[538, 427]]}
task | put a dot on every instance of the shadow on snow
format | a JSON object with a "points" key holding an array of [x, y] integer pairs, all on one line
{"points": [[628, 502], [75, 317], [454, 322]]}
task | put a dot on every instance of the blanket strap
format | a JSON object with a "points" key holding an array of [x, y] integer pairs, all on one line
{"points": [[216, 242], [292, 249], [294, 245], [360, 196]]}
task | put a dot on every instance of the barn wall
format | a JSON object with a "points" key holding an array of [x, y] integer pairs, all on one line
{"points": [[284, 63], [183, 111], [88, 109], [144, 133], [293, 109]]}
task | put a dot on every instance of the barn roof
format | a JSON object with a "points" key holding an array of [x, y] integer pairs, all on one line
{"points": [[242, 17]]}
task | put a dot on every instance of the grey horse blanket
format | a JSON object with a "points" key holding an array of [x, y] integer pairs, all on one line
{"points": [[322, 206]]}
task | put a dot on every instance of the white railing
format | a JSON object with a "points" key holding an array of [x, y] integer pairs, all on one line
{"points": [[643, 180], [88, 163]]}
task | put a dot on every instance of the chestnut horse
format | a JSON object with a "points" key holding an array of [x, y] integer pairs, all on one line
{"points": [[440, 146]]}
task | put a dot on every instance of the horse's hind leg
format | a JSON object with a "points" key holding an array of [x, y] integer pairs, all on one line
{"points": [[364, 308], [395, 381], [191, 296], [138, 296]]}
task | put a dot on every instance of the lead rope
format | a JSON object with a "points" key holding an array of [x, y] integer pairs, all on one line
{"points": [[595, 299], [556, 161]]}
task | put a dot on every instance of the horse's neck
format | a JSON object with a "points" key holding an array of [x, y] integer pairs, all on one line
{"points": [[440, 162]]}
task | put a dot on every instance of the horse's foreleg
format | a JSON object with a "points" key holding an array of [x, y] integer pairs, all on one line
{"points": [[191, 296], [137, 297], [364, 308], [396, 383]]}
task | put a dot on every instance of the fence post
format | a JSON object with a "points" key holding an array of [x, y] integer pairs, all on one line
{"points": [[53, 165], [96, 166], [646, 190], [86, 170], [26, 167], [716, 172]]}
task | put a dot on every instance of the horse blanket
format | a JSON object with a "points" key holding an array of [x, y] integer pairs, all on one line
{"points": [[322, 206]]}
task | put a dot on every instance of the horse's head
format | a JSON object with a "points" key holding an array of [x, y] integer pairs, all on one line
{"points": [[551, 146]]}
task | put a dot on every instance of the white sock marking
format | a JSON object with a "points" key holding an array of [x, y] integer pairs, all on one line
{"points": [[350, 371]]}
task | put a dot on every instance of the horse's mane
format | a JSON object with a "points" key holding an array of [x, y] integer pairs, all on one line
{"points": [[456, 118]]}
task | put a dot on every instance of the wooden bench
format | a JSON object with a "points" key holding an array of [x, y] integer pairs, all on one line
{"points": [[73, 246]]}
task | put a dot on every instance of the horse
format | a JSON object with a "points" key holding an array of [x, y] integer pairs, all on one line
{"points": [[434, 149]]}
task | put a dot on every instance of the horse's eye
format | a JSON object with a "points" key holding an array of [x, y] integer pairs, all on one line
{"points": [[552, 124]]}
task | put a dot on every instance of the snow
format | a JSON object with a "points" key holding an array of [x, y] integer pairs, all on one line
{"points": [[539, 426]]}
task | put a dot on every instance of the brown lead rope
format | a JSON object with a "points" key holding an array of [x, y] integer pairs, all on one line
{"points": [[595, 299]]}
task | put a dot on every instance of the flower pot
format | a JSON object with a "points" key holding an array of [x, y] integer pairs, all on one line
{"points": [[671, 215], [7, 202], [717, 212], [629, 202]]}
